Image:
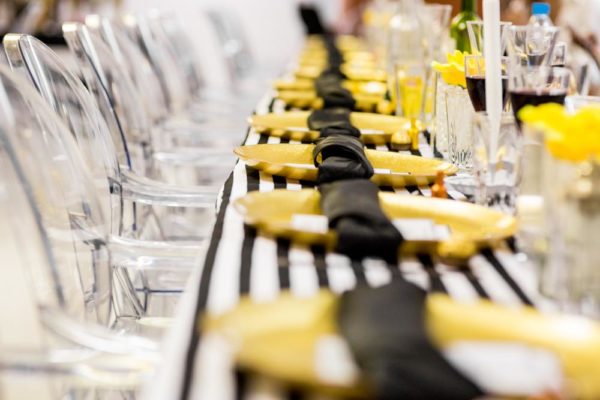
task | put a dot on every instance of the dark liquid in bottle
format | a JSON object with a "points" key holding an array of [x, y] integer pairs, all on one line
{"points": [[522, 98], [476, 89]]}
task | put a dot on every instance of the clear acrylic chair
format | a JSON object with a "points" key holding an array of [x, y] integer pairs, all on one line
{"points": [[56, 278], [158, 82], [167, 29], [152, 271], [120, 106], [62, 233], [239, 60], [133, 199]]}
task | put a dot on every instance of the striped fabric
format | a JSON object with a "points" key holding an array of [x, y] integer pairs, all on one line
{"points": [[241, 262]]}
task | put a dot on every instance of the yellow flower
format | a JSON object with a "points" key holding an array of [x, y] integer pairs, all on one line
{"points": [[572, 137], [453, 73]]}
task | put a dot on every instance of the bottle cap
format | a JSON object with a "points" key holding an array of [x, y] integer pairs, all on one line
{"points": [[540, 9]]}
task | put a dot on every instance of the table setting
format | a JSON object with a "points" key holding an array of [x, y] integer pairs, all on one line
{"points": [[411, 213], [449, 228]]}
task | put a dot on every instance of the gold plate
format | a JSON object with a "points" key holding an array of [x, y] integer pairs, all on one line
{"points": [[282, 339], [305, 100], [471, 226], [295, 161], [375, 128], [352, 73], [302, 85]]}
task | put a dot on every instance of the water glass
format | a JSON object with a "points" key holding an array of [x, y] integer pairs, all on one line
{"points": [[475, 31], [570, 275], [559, 55], [532, 238], [497, 170], [436, 18], [458, 113], [531, 45]]}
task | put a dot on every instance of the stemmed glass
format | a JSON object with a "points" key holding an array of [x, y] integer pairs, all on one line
{"points": [[531, 45], [436, 18], [475, 31], [475, 76], [534, 85], [410, 95]]}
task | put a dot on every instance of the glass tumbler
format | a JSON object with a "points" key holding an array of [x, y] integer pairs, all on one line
{"points": [[497, 169], [458, 112]]}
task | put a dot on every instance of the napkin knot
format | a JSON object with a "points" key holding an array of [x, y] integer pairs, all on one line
{"points": [[341, 157]]}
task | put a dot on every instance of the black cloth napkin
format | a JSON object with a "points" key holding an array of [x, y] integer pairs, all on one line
{"points": [[329, 87], [342, 157], [311, 18], [385, 328], [332, 121], [352, 207]]}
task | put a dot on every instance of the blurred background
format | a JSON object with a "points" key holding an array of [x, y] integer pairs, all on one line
{"points": [[271, 27]]}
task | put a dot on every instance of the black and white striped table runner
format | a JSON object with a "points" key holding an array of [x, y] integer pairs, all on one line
{"points": [[239, 262]]}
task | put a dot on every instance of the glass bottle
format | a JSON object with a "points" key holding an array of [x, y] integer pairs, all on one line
{"points": [[458, 27]]}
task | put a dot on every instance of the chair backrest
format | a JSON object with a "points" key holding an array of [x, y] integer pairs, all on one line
{"points": [[231, 38], [163, 60], [47, 176], [68, 97], [134, 61], [168, 30], [115, 94]]}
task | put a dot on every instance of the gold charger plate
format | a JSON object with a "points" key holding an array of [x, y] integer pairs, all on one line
{"points": [[375, 128], [310, 100], [295, 161], [284, 339], [471, 226], [352, 73], [304, 85]]}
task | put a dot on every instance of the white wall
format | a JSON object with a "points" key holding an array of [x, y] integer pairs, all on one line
{"points": [[273, 28]]}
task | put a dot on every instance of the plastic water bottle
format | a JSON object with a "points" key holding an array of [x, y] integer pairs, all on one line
{"points": [[540, 15]]}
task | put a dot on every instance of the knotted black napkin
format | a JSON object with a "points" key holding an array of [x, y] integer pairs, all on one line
{"points": [[385, 328], [341, 157], [329, 87], [332, 121], [352, 207]]}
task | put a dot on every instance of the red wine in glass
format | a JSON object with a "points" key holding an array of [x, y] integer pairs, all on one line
{"points": [[523, 97], [476, 89]]}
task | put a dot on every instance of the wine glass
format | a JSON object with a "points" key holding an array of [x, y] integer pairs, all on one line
{"points": [[531, 45], [475, 30], [475, 76], [534, 85]]}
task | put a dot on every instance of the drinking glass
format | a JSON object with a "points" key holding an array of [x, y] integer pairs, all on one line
{"points": [[531, 45], [436, 19], [458, 118], [410, 95], [574, 103], [535, 85], [559, 55], [475, 76], [475, 30], [497, 170]]}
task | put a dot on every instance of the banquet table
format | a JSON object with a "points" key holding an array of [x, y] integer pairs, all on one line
{"points": [[241, 262]]}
